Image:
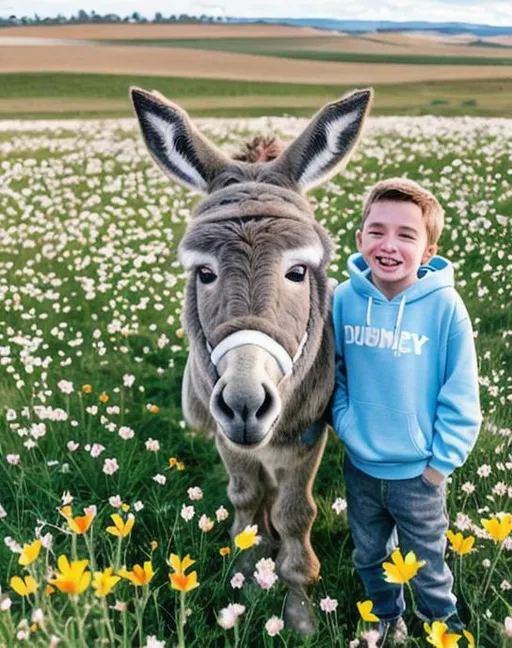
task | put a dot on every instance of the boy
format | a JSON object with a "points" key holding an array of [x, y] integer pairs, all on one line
{"points": [[406, 400]]}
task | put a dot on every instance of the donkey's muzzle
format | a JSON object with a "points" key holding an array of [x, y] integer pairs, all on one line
{"points": [[245, 410]]}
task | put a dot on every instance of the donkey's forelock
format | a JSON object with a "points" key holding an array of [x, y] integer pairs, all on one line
{"points": [[250, 198], [265, 173]]}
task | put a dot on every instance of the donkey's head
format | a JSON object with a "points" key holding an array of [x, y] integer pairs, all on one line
{"points": [[258, 294]]}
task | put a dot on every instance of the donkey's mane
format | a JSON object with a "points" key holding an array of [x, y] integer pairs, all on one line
{"points": [[260, 149]]}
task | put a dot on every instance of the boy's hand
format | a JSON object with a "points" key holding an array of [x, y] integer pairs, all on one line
{"points": [[433, 476]]}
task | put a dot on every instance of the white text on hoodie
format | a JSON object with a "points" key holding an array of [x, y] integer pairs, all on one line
{"points": [[382, 338]]}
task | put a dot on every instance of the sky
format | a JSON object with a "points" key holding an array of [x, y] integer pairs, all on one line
{"points": [[493, 12]]}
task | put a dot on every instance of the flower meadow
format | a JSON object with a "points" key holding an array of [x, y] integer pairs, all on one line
{"points": [[114, 518]]}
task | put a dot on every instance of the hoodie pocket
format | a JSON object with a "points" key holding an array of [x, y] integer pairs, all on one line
{"points": [[376, 433]]}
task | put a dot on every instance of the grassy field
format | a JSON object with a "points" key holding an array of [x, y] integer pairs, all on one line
{"points": [[92, 354], [276, 36], [50, 95], [268, 70], [303, 49]]}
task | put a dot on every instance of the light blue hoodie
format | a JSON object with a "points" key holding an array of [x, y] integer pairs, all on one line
{"points": [[406, 393]]}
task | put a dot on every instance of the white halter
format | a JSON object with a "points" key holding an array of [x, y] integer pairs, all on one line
{"points": [[264, 341]]}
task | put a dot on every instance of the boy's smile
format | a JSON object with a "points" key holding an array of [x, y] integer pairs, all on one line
{"points": [[387, 262], [394, 244]]}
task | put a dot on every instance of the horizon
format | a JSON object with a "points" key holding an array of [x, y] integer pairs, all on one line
{"points": [[147, 18], [496, 13]]}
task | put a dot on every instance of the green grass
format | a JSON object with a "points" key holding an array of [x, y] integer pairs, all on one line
{"points": [[114, 86], [449, 98], [91, 291], [287, 48]]}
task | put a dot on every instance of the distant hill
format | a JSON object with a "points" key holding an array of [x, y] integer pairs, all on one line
{"points": [[383, 25]]}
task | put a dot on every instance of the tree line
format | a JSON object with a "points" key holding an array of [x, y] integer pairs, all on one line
{"points": [[84, 17]]}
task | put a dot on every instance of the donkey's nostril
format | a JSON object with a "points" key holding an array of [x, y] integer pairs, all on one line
{"points": [[266, 405], [224, 407]]}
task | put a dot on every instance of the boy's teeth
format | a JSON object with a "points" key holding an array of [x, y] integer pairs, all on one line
{"points": [[388, 262]]}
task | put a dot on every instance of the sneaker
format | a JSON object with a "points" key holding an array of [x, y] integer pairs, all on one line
{"points": [[385, 633], [398, 633]]}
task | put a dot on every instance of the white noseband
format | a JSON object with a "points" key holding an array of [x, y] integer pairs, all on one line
{"points": [[262, 340]]}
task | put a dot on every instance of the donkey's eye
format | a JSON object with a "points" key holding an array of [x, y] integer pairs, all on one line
{"points": [[206, 275], [297, 273]]}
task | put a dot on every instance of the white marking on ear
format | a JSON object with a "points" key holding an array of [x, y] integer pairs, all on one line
{"points": [[310, 255], [316, 168], [166, 132], [192, 259]]}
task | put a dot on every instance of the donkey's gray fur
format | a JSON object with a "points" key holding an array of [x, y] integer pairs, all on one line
{"points": [[257, 261]]}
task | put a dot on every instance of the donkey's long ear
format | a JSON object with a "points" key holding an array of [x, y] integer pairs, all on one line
{"points": [[328, 140], [174, 142]]}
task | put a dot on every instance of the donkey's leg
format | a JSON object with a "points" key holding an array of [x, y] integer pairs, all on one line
{"points": [[293, 515], [269, 544], [246, 492]]}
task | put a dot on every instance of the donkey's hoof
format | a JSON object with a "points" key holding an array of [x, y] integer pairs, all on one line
{"points": [[246, 561], [298, 613], [245, 564]]}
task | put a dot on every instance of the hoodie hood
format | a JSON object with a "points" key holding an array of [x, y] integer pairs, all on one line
{"points": [[434, 276]]}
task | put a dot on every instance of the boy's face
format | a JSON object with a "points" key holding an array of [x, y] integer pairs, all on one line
{"points": [[394, 244]]}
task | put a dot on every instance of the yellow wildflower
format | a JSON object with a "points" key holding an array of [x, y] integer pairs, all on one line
{"points": [[121, 528], [66, 511], [497, 528], [470, 638], [104, 397], [30, 553], [103, 582], [87, 389], [224, 551], [24, 586], [154, 409], [180, 465], [79, 524], [172, 462], [180, 333], [180, 566], [71, 577], [247, 538], [365, 610], [400, 570], [184, 582], [138, 575], [179, 580], [125, 507], [459, 544], [439, 637]]}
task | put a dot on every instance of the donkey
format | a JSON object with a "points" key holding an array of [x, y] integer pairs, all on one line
{"points": [[260, 370]]}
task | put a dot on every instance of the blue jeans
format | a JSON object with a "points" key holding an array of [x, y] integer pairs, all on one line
{"points": [[411, 514]]}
